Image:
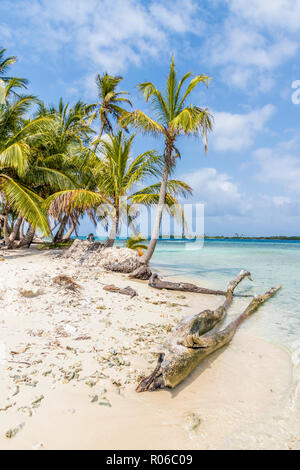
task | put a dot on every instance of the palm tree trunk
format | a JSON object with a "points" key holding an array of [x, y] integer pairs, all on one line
{"points": [[6, 230], [114, 230], [22, 230], [60, 232], [71, 229], [14, 234], [27, 240], [155, 232], [100, 135]]}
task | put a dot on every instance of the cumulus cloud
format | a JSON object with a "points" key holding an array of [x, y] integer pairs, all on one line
{"points": [[277, 13], [216, 190], [276, 166], [237, 131], [110, 35], [255, 38]]}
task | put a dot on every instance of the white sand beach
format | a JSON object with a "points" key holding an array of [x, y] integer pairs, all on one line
{"points": [[69, 364]]}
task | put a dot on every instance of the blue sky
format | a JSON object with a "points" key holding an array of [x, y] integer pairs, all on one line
{"points": [[249, 180]]}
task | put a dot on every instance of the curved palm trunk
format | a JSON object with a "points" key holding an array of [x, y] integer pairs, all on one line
{"points": [[60, 232], [114, 230], [155, 232], [100, 135], [71, 230], [22, 230], [27, 240], [14, 234], [6, 229]]}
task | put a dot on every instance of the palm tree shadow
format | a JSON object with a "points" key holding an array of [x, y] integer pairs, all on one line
{"points": [[12, 255]]}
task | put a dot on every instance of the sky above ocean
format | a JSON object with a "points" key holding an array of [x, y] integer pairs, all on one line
{"points": [[249, 179]]}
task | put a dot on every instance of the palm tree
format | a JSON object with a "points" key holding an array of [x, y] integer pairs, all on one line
{"points": [[174, 117], [5, 63], [58, 159], [136, 243], [17, 137], [116, 176], [109, 102]]}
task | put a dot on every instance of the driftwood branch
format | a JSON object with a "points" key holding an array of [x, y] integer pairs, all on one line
{"points": [[157, 283], [125, 291], [196, 337]]}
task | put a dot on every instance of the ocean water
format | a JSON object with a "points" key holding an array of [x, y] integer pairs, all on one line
{"points": [[270, 263]]}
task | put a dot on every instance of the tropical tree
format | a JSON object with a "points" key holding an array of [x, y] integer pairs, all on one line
{"points": [[18, 135], [174, 116], [116, 176], [5, 63], [59, 161], [109, 103], [136, 242]]}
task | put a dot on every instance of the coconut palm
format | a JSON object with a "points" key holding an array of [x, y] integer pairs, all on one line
{"points": [[173, 117], [58, 161], [136, 243], [116, 176], [109, 102], [5, 63], [17, 138]]}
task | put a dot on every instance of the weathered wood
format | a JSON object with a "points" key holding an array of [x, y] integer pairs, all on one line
{"points": [[125, 291], [143, 273], [181, 286], [195, 338]]}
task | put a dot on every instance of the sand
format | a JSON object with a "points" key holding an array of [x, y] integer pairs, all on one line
{"points": [[69, 364]]}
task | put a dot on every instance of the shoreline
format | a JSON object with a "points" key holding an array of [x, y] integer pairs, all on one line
{"points": [[219, 406]]}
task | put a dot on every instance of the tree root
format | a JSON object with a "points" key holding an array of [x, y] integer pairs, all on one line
{"points": [[143, 272]]}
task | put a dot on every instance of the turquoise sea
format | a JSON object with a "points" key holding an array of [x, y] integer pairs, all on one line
{"points": [[270, 263]]}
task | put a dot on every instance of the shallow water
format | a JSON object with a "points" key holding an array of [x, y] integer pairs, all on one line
{"points": [[270, 263]]}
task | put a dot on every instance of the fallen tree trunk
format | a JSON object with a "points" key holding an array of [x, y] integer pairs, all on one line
{"points": [[181, 286], [193, 340]]}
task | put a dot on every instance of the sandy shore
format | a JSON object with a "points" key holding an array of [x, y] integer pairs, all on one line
{"points": [[69, 363]]}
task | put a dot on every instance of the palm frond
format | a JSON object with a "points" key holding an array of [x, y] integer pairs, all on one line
{"points": [[25, 202], [142, 122], [69, 200]]}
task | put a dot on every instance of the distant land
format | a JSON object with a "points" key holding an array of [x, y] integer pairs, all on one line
{"points": [[237, 237]]}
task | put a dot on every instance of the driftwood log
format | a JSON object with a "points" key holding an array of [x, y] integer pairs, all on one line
{"points": [[196, 337], [118, 290], [157, 283]]}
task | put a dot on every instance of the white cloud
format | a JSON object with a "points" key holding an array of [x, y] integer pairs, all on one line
{"points": [[106, 34], [278, 167], [276, 13], [245, 47], [237, 131], [255, 38], [220, 195]]}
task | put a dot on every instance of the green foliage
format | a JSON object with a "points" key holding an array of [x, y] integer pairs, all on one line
{"points": [[50, 170], [136, 242]]}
